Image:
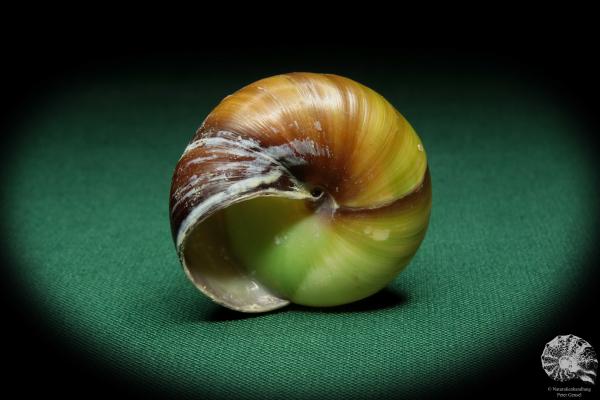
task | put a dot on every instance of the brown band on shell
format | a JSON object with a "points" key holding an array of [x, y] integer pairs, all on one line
{"points": [[323, 124], [213, 164]]}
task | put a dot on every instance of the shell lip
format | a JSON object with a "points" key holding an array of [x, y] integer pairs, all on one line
{"points": [[254, 308], [264, 300], [274, 302]]}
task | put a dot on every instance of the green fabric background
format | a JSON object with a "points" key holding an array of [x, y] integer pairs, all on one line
{"points": [[86, 220]]}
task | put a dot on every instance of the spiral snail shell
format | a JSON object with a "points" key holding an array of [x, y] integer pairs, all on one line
{"points": [[305, 188], [568, 357]]}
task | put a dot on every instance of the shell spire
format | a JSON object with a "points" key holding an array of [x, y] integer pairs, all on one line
{"points": [[305, 188], [568, 357]]}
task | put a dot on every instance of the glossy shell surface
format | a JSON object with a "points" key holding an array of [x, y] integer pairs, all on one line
{"points": [[308, 188]]}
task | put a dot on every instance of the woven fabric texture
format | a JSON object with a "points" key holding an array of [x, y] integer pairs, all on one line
{"points": [[87, 224]]}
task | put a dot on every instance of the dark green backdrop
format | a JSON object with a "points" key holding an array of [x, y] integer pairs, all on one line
{"points": [[86, 223]]}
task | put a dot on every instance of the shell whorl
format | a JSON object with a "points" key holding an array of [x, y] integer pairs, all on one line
{"points": [[310, 146], [569, 357]]}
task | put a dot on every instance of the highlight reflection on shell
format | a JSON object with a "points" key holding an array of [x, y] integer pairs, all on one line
{"points": [[568, 357], [302, 187]]}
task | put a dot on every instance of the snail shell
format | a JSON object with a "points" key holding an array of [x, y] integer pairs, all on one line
{"points": [[568, 357], [304, 188]]}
